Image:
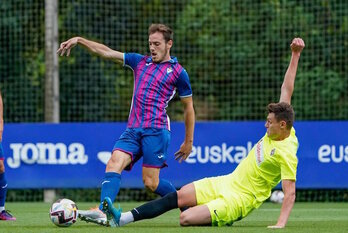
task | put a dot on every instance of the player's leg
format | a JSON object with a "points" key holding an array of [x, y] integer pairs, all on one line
{"points": [[126, 152], [214, 213], [110, 187], [208, 202], [196, 216], [153, 183], [195, 195], [3, 186], [186, 196], [111, 184], [4, 215], [151, 178], [221, 200], [149, 210], [210, 206], [155, 144]]}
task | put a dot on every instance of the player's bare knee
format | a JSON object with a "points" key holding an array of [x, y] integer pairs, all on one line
{"points": [[186, 198], [113, 159], [112, 163], [181, 200], [116, 163]]}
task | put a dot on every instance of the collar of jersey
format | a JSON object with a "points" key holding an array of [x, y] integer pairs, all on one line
{"points": [[173, 60]]}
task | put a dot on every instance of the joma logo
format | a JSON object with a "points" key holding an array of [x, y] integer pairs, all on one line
{"points": [[46, 153]]}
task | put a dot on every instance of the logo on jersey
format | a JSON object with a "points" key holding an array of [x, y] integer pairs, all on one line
{"points": [[169, 70], [272, 152], [259, 152], [147, 64]]}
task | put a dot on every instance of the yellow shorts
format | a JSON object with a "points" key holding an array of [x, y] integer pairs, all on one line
{"points": [[225, 204]]}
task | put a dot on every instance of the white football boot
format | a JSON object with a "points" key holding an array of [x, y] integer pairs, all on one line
{"points": [[93, 215]]}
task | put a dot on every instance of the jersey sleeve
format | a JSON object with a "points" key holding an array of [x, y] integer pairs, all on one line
{"points": [[131, 60], [288, 167], [183, 85]]}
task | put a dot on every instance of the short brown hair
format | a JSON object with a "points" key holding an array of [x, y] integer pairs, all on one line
{"points": [[282, 112], [164, 29]]}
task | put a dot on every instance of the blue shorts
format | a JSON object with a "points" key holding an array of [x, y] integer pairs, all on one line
{"points": [[1, 152], [149, 143]]}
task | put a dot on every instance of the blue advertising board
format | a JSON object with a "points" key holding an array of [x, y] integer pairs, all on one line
{"points": [[74, 155]]}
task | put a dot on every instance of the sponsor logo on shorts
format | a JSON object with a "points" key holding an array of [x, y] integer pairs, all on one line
{"points": [[215, 212]]}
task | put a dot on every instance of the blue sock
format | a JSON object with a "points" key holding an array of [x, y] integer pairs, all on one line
{"points": [[110, 187], [3, 189], [164, 187]]}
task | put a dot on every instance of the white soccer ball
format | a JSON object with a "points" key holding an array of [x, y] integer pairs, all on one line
{"points": [[63, 212], [277, 196]]}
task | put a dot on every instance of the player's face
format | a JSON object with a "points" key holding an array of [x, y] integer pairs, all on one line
{"points": [[159, 48], [274, 128]]}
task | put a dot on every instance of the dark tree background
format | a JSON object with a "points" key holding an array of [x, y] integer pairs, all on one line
{"points": [[236, 53]]}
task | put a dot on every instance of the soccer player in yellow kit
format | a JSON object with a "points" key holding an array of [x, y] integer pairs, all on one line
{"points": [[222, 200]]}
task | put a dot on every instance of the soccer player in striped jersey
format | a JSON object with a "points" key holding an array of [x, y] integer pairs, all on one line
{"points": [[222, 200], [156, 79], [4, 214]]}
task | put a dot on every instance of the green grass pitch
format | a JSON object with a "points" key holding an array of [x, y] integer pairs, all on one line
{"points": [[305, 217]]}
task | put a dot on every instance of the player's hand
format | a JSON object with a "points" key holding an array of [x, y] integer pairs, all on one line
{"points": [[66, 46], [275, 227], [184, 151], [297, 45]]}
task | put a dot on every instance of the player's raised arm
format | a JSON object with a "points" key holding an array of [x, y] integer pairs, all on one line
{"points": [[94, 47], [289, 79]]}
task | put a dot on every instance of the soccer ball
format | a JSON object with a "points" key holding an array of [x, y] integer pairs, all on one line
{"points": [[63, 212], [277, 196]]}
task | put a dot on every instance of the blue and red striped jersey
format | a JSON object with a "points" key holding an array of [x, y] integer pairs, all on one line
{"points": [[155, 84]]}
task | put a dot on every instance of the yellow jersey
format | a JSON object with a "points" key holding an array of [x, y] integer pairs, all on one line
{"points": [[267, 163]]}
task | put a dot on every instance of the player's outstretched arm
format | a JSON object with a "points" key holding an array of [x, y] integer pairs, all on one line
{"points": [[289, 79], [94, 47], [289, 190], [189, 117]]}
